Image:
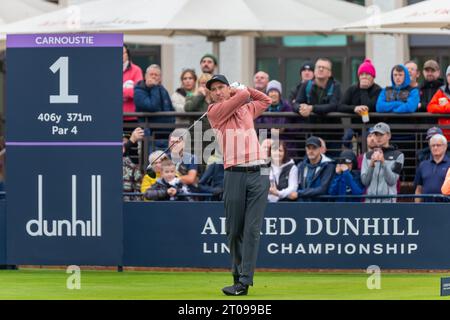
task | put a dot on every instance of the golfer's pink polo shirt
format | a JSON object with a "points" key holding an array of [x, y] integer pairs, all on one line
{"points": [[233, 120]]}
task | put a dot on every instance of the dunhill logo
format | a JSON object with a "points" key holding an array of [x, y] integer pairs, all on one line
{"points": [[60, 228]]}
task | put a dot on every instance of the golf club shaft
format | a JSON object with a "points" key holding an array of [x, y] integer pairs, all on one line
{"points": [[181, 137]]}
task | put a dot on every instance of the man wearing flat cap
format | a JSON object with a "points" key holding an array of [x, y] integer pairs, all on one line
{"points": [[246, 180]]}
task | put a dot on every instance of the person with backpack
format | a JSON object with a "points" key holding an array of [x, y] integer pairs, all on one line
{"points": [[320, 95]]}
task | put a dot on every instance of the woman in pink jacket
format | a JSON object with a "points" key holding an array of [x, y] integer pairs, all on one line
{"points": [[131, 75]]}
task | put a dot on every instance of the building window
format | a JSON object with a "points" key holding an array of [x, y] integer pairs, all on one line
{"points": [[282, 57], [315, 41], [143, 55]]}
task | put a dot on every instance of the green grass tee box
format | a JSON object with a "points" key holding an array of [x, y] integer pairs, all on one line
{"points": [[51, 284]]}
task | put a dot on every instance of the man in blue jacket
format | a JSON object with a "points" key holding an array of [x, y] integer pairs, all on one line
{"points": [[346, 181], [151, 96], [315, 173], [400, 97]]}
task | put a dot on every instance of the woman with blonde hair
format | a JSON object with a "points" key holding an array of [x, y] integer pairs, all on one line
{"points": [[201, 99], [188, 87]]}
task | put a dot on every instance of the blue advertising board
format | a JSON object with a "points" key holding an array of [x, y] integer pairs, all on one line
{"points": [[294, 235], [2, 232], [64, 149]]}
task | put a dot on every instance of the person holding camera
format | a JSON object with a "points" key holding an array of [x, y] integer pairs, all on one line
{"points": [[381, 167], [346, 180]]}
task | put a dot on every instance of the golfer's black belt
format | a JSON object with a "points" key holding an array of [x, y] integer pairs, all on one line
{"points": [[247, 169]]}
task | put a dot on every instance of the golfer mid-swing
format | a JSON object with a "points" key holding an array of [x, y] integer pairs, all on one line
{"points": [[246, 185]]}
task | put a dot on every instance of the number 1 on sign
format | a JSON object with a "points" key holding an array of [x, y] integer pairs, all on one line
{"points": [[62, 64]]}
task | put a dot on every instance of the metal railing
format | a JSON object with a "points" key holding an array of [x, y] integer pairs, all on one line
{"points": [[180, 195], [208, 196], [433, 197]]}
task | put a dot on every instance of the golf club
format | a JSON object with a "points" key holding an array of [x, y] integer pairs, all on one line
{"points": [[151, 173]]}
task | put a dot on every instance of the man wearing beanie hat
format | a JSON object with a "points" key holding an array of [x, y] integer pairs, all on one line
{"points": [[440, 103], [430, 84], [208, 63], [306, 74], [362, 96]]}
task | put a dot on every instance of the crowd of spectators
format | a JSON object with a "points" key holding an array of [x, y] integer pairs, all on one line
{"points": [[372, 176]]}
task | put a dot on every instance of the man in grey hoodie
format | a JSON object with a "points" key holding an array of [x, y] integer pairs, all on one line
{"points": [[381, 167]]}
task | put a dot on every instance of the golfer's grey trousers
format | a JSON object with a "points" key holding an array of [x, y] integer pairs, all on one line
{"points": [[245, 199]]}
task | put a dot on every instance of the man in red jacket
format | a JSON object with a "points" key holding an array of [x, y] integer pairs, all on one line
{"points": [[440, 103], [131, 75], [246, 185]]}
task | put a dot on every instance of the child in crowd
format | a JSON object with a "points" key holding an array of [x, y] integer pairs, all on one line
{"points": [[168, 187], [347, 180], [148, 181]]}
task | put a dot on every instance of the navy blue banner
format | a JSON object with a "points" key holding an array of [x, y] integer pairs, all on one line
{"points": [[294, 235], [301, 235], [71, 215], [2, 232], [64, 151], [77, 102]]}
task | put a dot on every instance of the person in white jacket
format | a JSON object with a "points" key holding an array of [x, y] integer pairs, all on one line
{"points": [[188, 86], [283, 174]]}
